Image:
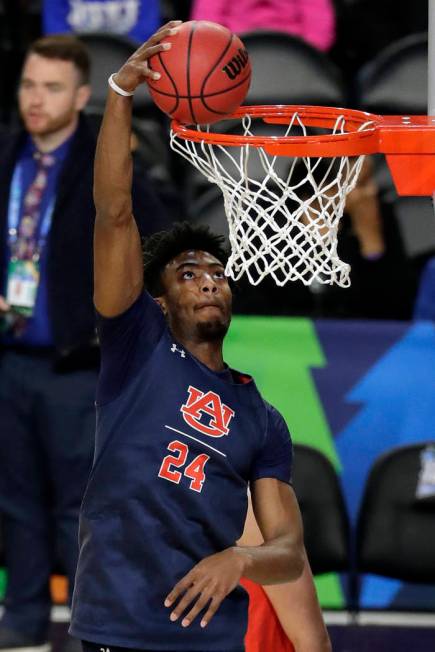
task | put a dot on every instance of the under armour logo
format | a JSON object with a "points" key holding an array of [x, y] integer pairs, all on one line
{"points": [[104, 649], [180, 351]]}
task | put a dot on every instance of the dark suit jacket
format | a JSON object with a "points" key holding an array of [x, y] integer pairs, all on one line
{"points": [[70, 273]]}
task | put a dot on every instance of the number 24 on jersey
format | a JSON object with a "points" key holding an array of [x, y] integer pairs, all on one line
{"points": [[194, 470]]}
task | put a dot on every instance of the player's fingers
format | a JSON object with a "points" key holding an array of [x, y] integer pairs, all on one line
{"points": [[146, 71], [169, 25], [142, 62], [213, 607], [181, 587], [159, 47], [200, 604], [190, 595], [156, 38]]}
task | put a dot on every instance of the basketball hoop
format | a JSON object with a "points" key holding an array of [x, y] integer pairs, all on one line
{"points": [[286, 223]]}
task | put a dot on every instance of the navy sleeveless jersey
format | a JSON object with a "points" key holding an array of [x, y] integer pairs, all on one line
{"points": [[176, 446]]}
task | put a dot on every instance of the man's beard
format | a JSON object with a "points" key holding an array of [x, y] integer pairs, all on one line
{"points": [[213, 330], [51, 125]]}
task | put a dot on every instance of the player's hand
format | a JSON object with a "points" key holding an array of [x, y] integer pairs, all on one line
{"points": [[136, 69], [206, 586]]}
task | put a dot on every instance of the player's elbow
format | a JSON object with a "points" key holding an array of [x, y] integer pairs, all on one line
{"points": [[117, 214], [296, 558], [292, 559], [112, 207]]}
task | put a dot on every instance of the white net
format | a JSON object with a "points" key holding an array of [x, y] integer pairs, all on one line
{"points": [[283, 213]]}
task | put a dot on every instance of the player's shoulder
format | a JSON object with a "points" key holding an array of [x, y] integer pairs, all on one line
{"points": [[272, 410], [274, 418], [143, 315]]}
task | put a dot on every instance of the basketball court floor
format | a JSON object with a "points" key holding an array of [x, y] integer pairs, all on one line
{"points": [[375, 632]]}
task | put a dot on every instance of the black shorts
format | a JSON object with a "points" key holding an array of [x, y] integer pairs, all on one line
{"points": [[100, 647]]}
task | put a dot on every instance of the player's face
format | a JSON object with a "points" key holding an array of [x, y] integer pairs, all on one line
{"points": [[197, 299], [50, 94]]}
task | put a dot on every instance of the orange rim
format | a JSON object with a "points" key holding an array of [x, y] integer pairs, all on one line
{"points": [[381, 134]]}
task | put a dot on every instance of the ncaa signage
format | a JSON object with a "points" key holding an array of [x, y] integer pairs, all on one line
{"points": [[206, 413]]}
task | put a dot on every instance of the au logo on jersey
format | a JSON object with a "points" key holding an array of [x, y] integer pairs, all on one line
{"points": [[206, 413]]}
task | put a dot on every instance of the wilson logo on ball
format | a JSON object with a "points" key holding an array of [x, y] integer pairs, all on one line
{"points": [[235, 65]]}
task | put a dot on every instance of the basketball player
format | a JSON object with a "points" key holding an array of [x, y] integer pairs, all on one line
{"points": [[179, 434]]}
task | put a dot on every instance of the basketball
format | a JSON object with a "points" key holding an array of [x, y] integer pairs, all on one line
{"points": [[205, 75]]}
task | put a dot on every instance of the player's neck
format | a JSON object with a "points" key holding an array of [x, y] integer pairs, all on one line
{"points": [[209, 353]]}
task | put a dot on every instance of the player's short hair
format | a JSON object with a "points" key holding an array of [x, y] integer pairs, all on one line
{"points": [[160, 248], [66, 48]]}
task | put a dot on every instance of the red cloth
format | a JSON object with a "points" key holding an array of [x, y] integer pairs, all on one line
{"points": [[265, 633]]}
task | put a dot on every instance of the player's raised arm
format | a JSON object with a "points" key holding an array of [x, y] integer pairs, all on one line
{"points": [[118, 273]]}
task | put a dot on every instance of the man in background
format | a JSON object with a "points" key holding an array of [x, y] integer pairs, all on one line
{"points": [[48, 348]]}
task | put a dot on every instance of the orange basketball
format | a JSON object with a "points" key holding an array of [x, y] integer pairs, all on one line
{"points": [[204, 76]]}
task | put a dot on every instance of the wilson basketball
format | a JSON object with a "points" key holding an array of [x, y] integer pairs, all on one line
{"points": [[204, 76]]}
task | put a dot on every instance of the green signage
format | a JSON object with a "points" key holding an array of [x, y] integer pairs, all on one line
{"points": [[280, 353]]}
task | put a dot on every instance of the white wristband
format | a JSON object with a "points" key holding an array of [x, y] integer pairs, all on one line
{"points": [[116, 88]]}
